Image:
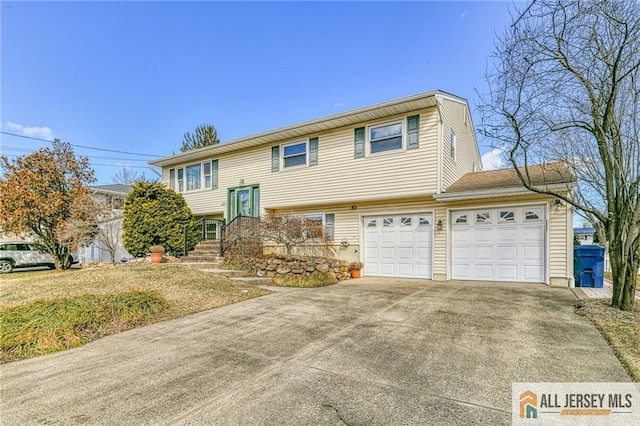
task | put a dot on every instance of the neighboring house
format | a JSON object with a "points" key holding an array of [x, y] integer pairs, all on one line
{"points": [[113, 197], [397, 186], [584, 234]]}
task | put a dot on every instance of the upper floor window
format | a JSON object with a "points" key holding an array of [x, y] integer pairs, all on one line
{"points": [[295, 154], [385, 137], [453, 142], [193, 177]]}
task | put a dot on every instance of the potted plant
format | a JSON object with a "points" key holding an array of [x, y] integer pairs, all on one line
{"points": [[355, 268], [157, 252]]}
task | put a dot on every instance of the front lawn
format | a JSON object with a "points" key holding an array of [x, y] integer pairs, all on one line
{"points": [[31, 301], [621, 329]]}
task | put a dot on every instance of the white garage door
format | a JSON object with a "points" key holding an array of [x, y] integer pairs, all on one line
{"points": [[398, 245], [505, 244]]}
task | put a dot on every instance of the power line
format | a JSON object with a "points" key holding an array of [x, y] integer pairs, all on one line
{"points": [[11, 148], [99, 164], [80, 146]]}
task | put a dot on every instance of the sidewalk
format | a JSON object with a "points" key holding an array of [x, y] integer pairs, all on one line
{"points": [[606, 292]]}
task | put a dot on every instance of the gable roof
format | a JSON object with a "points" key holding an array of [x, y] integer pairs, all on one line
{"points": [[114, 188], [348, 118], [539, 175]]}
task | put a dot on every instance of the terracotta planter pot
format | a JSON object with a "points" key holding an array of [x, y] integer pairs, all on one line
{"points": [[156, 257], [355, 273]]}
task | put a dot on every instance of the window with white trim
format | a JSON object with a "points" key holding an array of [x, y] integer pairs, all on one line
{"points": [[532, 215], [507, 216], [194, 177], [386, 137], [483, 217], [319, 223], [453, 141], [460, 218], [295, 154]]}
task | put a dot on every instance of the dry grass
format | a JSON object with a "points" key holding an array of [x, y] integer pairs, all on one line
{"points": [[621, 329], [186, 289]]}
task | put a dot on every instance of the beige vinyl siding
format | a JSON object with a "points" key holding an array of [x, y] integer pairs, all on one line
{"points": [[338, 177], [455, 116], [560, 244]]}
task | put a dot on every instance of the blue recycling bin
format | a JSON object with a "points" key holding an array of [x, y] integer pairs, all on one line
{"points": [[588, 266]]}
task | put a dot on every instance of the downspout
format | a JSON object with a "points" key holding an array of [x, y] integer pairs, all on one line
{"points": [[439, 152]]}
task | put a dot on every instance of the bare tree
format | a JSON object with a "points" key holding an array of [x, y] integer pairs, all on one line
{"points": [[109, 232], [566, 86], [127, 176], [293, 230]]}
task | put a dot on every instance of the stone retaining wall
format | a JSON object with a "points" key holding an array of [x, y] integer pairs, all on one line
{"points": [[273, 265]]}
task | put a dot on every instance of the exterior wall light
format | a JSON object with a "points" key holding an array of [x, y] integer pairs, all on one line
{"points": [[439, 225]]}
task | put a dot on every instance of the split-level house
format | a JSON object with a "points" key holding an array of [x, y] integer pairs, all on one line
{"points": [[397, 186]]}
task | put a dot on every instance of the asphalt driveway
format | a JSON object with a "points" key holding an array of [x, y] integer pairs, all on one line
{"points": [[370, 351]]}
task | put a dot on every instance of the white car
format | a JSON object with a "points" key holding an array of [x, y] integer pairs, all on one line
{"points": [[25, 255]]}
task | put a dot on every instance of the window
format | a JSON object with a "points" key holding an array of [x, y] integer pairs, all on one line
{"points": [[372, 223], [532, 215], [460, 218], [197, 176], [453, 143], [405, 221], [387, 137], [294, 154], [387, 222], [483, 217], [507, 216], [424, 221], [193, 177]]}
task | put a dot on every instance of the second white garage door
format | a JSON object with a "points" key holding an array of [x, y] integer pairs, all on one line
{"points": [[505, 244], [398, 245]]}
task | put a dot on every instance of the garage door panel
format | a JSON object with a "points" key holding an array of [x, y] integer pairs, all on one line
{"points": [[405, 253], [423, 254], [405, 236], [507, 253], [388, 237], [483, 272], [532, 273], [388, 253], [507, 272], [533, 253], [399, 245], [483, 236], [483, 253], [507, 235], [503, 245]]}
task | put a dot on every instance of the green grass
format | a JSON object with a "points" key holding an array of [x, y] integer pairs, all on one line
{"points": [[305, 281], [47, 326]]}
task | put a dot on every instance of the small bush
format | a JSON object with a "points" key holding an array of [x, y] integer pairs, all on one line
{"points": [[47, 326], [305, 281]]}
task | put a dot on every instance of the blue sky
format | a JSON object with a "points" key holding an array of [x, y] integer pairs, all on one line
{"points": [[135, 76]]}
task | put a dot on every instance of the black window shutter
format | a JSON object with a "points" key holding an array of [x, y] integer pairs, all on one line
{"points": [[358, 143], [413, 128], [313, 151], [275, 158]]}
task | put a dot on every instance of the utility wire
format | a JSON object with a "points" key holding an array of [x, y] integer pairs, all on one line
{"points": [[99, 164], [11, 148], [80, 146]]}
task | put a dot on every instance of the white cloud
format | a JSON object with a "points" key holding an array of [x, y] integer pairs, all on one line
{"points": [[34, 132], [492, 160], [464, 14]]}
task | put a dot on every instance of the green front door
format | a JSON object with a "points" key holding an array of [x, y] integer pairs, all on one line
{"points": [[243, 201]]}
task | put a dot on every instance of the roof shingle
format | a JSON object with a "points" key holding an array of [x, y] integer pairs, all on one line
{"points": [[539, 175]]}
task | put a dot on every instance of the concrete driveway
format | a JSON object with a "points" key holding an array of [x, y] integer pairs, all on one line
{"points": [[370, 351]]}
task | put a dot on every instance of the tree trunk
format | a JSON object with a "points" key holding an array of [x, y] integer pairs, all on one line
{"points": [[624, 268]]}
